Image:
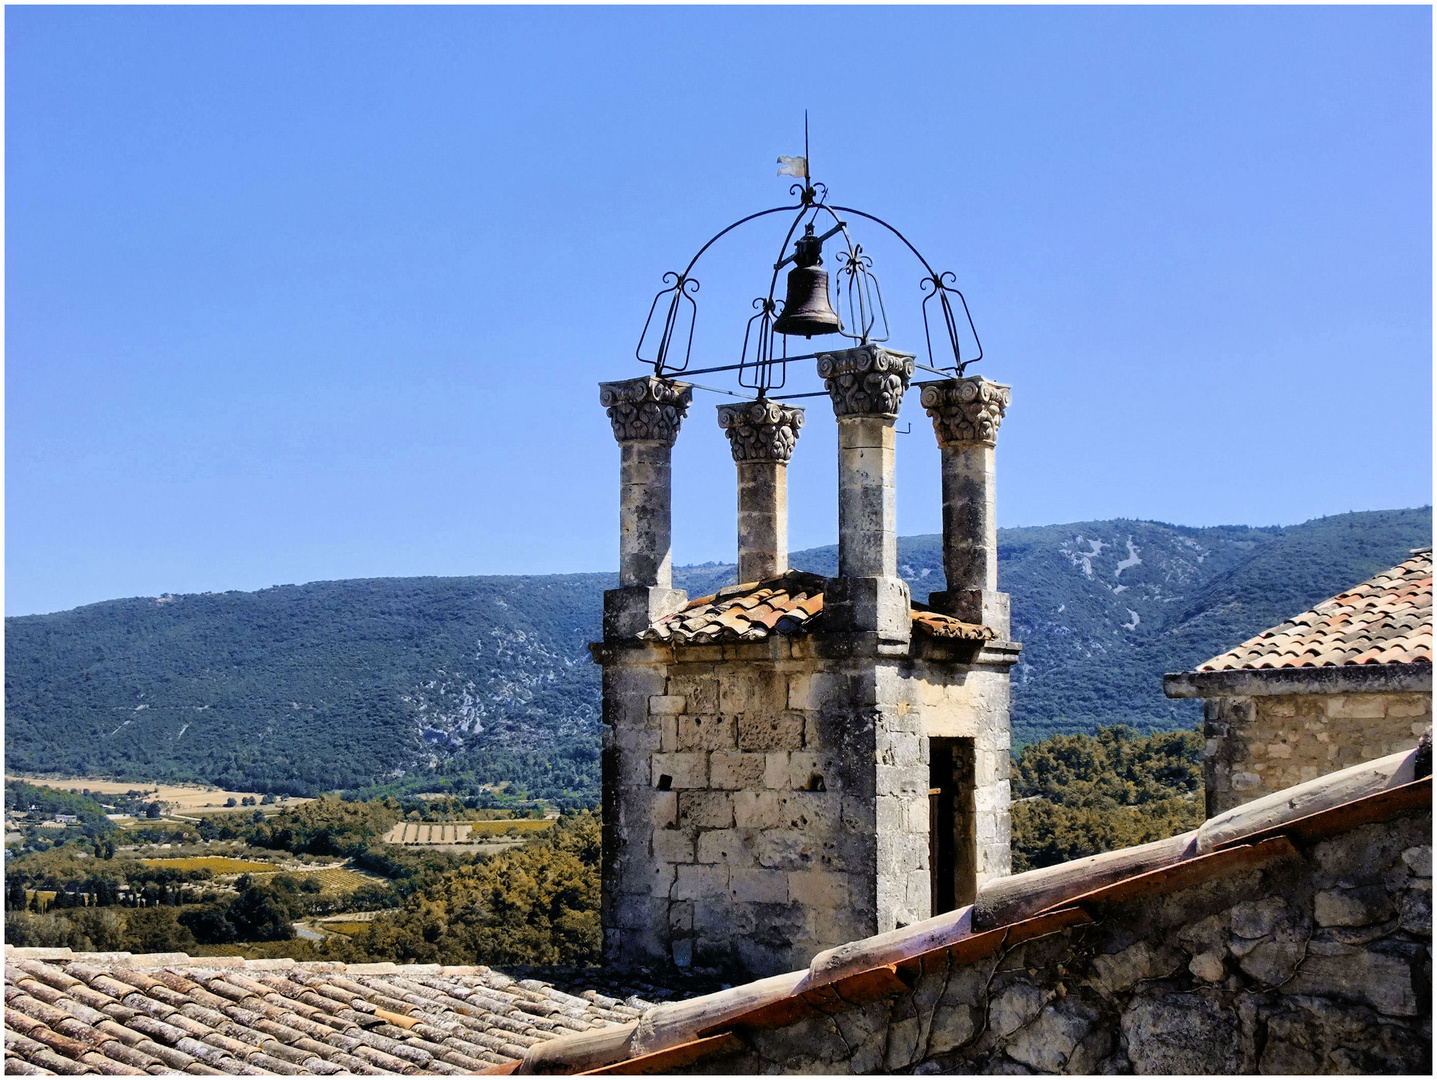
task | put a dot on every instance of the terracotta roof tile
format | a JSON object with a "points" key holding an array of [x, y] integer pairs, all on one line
{"points": [[113, 1013], [791, 604], [1385, 620], [946, 626]]}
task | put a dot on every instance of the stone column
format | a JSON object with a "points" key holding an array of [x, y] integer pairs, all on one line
{"points": [[866, 385], [646, 414], [966, 414], [762, 435]]}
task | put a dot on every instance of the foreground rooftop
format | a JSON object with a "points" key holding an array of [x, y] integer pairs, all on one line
{"points": [[118, 1013]]}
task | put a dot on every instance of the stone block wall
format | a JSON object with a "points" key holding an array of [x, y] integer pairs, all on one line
{"points": [[1317, 963], [764, 802], [959, 702], [1261, 744]]}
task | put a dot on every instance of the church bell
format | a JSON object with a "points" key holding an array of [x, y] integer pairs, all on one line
{"points": [[806, 309]]}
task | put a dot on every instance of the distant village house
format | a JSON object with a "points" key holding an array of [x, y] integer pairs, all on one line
{"points": [[1348, 681]]}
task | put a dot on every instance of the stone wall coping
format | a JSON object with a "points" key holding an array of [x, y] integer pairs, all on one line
{"points": [[1038, 901], [1365, 780], [1330, 679], [680, 1023]]}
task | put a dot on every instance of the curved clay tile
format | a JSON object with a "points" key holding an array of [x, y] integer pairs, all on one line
{"points": [[1387, 619]]}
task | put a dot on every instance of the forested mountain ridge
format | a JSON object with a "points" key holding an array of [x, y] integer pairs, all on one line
{"points": [[340, 684], [312, 687]]}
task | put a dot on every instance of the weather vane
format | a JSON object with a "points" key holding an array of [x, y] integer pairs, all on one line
{"points": [[806, 310]]}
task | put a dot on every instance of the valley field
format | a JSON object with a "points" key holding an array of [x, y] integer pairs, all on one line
{"points": [[323, 872], [178, 798]]}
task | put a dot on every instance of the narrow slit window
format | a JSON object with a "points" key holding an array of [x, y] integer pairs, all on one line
{"points": [[952, 837]]}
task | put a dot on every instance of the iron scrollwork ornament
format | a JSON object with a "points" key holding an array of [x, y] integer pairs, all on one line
{"points": [[804, 311]]}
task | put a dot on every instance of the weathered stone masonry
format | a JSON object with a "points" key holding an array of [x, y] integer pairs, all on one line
{"points": [[1317, 963], [765, 800], [753, 783], [1267, 730], [1264, 744]]}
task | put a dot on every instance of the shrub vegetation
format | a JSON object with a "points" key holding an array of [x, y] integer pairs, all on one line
{"points": [[1077, 795]]}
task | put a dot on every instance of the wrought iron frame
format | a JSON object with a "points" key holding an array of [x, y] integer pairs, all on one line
{"points": [[765, 372]]}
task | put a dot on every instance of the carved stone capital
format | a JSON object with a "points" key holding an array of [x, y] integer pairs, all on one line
{"points": [[866, 381], [966, 410], [649, 409], [761, 430]]}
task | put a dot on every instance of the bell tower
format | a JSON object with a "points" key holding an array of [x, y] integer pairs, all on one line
{"points": [[796, 762]]}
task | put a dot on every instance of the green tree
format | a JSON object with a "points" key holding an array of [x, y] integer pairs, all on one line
{"points": [[156, 929], [259, 913], [535, 904], [1077, 795]]}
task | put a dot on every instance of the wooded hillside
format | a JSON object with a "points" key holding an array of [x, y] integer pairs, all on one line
{"points": [[347, 684]]}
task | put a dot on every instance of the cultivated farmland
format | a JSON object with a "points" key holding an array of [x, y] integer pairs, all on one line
{"points": [[335, 879], [409, 832], [216, 864], [468, 832], [523, 826], [180, 798], [332, 879]]}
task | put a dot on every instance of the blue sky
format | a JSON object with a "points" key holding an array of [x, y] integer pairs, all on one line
{"points": [[308, 293]]}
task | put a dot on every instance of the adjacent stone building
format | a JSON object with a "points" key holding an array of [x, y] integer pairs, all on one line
{"points": [[796, 762], [1348, 681]]}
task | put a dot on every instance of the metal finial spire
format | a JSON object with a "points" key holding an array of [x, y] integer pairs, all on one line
{"points": [[807, 169]]}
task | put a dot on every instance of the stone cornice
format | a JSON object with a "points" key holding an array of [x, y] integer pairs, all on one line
{"points": [[866, 381], [1329, 679], [761, 430], [966, 410], [647, 409]]}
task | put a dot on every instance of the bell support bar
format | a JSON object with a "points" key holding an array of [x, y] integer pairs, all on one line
{"points": [[820, 239]]}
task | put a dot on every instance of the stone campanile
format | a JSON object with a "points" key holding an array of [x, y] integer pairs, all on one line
{"points": [[797, 762]]}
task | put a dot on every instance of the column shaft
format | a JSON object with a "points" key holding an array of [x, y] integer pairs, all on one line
{"points": [[762, 435], [867, 498], [866, 385], [970, 524], [646, 514], [966, 416], [762, 520], [646, 414]]}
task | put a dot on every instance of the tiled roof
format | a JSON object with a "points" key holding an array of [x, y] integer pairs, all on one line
{"points": [[791, 604], [1385, 620], [167, 1012]]}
